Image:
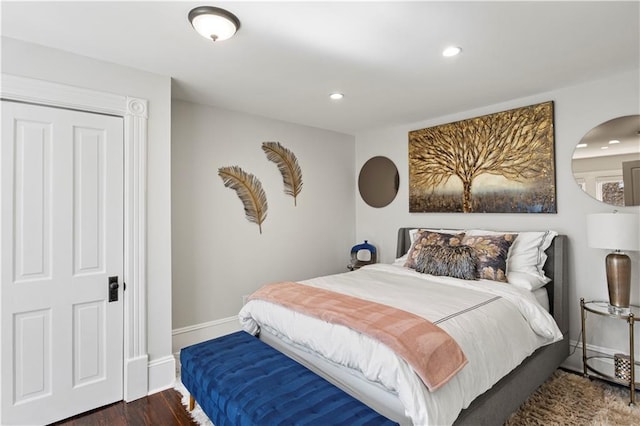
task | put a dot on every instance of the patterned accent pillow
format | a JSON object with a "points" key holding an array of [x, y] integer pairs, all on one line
{"points": [[448, 261], [430, 238], [525, 264], [491, 253]]}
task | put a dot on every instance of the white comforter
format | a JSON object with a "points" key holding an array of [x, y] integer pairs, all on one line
{"points": [[496, 325]]}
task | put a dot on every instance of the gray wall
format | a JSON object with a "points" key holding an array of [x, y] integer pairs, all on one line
{"points": [[218, 255], [577, 110]]}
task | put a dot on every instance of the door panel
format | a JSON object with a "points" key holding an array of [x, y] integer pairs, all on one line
{"points": [[32, 210], [88, 343], [89, 158], [631, 180], [33, 355], [61, 175]]}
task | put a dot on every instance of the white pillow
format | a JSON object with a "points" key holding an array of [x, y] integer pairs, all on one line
{"points": [[401, 260], [526, 256]]}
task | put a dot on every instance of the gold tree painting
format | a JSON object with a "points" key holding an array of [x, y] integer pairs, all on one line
{"points": [[496, 163]]}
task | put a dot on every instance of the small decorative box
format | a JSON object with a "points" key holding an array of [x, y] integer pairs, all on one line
{"points": [[622, 367]]}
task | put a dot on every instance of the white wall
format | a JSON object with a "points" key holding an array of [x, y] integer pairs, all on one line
{"points": [[38, 62], [577, 110], [218, 255]]}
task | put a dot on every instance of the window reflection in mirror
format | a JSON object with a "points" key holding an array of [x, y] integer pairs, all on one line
{"points": [[606, 162]]}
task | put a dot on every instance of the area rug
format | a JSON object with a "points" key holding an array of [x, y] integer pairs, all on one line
{"points": [[566, 399], [197, 414], [570, 399]]}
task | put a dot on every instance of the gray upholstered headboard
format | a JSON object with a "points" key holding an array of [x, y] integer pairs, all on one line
{"points": [[555, 268]]}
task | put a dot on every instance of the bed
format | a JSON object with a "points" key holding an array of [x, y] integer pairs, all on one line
{"points": [[481, 393]]}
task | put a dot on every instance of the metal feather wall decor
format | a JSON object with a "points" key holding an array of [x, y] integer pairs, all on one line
{"points": [[249, 190], [288, 165]]}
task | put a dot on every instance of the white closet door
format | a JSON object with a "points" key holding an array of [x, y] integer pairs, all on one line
{"points": [[61, 182]]}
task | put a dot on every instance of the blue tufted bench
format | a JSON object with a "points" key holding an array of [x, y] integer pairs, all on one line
{"points": [[239, 380]]}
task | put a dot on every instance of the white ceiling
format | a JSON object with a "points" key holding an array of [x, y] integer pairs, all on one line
{"points": [[384, 56], [597, 142]]}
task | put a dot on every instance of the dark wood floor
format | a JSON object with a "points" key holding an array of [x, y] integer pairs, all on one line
{"points": [[160, 409]]}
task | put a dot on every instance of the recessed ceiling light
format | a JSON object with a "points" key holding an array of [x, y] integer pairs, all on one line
{"points": [[451, 51], [336, 96], [581, 145], [613, 141], [604, 147]]}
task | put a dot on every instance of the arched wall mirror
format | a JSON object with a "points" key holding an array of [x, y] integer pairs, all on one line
{"points": [[606, 162], [378, 181]]}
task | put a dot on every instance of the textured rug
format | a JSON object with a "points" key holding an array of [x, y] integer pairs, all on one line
{"points": [[197, 414], [565, 399], [570, 399]]}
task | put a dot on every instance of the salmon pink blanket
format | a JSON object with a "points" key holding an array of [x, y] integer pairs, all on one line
{"points": [[429, 350]]}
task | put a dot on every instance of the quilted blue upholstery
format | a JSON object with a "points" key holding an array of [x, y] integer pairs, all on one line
{"points": [[239, 380]]}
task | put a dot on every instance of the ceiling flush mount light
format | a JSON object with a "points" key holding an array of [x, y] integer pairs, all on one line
{"points": [[613, 141], [451, 51], [336, 96], [214, 23]]}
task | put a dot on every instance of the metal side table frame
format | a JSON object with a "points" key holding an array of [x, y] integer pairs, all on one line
{"points": [[631, 315]]}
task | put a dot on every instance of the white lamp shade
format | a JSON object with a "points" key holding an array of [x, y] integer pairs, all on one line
{"points": [[613, 231]]}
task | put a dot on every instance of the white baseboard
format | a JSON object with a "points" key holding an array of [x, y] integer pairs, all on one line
{"points": [[605, 365], [161, 374], [574, 360], [187, 336], [136, 372], [197, 333]]}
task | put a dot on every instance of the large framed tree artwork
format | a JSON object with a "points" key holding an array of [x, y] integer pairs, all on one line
{"points": [[496, 163]]}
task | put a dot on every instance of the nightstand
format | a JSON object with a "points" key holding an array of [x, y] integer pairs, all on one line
{"points": [[622, 375]]}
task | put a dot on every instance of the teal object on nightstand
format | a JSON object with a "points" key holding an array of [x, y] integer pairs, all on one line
{"points": [[357, 263]]}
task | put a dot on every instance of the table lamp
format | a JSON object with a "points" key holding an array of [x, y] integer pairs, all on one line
{"points": [[615, 231]]}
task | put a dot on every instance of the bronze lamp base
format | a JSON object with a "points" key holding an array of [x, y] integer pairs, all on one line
{"points": [[618, 279]]}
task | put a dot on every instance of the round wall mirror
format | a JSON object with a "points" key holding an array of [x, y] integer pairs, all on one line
{"points": [[378, 181], [606, 162]]}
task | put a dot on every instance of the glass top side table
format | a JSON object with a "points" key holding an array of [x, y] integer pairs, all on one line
{"points": [[630, 315]]}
